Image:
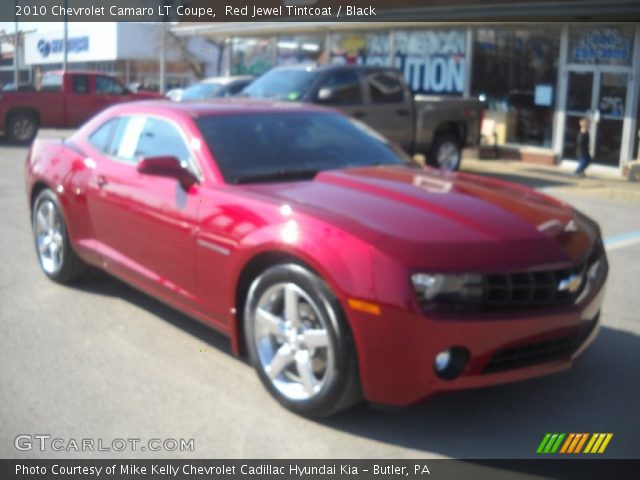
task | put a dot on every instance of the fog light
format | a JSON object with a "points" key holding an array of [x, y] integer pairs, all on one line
{"points": [[450, 363], [442, 360]]}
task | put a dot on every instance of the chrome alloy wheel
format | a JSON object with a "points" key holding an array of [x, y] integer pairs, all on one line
{"points": [[49, 236], [292, 341], [448, 156]]}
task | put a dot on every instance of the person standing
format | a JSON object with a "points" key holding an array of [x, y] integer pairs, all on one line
{"points": [[582, 147]]}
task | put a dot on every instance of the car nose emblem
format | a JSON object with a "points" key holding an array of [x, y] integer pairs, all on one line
{"points": [[570, 284]]}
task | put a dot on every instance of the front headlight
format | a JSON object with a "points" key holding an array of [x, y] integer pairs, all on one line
{"points": [[448, 288]]}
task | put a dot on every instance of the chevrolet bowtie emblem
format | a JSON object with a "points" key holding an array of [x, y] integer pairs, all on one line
{"points": [[571, 284]]}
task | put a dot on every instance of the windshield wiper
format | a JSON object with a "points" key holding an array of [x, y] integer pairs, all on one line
{"points": [[293, 174]]}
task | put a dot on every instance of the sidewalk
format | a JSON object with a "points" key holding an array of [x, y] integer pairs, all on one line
{"points": [[554, 178]]}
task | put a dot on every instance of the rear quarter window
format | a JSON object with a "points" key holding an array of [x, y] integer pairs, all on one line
{"points": [[51, 83], [101, 137], [385, 87]]}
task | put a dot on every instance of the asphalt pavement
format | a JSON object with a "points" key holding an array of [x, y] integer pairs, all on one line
{"points": [[103, 361]]}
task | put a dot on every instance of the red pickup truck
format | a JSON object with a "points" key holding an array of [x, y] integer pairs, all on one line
{"points": [[64, 99]]}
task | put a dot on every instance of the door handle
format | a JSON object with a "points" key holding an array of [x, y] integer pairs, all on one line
{"points": [[102, 181], [359, 114], [402, 112]]}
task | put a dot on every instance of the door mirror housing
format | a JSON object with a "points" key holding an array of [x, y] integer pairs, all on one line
{"points": [[167, 166], [326, 95]]}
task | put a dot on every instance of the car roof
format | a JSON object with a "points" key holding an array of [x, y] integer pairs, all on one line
{"points": [[200, 108], [227, 80], [76, 72], [329, 67]]}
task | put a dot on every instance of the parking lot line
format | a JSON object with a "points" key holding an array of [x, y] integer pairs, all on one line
{"points": [[622, 240]]}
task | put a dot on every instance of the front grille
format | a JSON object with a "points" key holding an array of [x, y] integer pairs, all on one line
{"points": [[539, 352], [524, 290]]}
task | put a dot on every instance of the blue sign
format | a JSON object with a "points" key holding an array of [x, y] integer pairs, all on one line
{"points": [[607, 45], [74, 45]]}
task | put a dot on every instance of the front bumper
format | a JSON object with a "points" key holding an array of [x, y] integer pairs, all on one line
{"points": [[396, 349]]}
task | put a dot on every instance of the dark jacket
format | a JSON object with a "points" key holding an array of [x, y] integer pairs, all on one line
{"points": [[582, 144]]}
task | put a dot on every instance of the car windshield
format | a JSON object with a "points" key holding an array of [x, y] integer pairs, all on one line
{"points": [[280, 146], [281, 84], [201, 90]]}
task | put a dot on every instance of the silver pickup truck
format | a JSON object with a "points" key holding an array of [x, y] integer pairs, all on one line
{"points": [[437, 127]]}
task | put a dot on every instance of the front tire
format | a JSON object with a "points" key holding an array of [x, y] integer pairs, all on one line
{"points": [[56, 256], [445, 153], [299, 342]]}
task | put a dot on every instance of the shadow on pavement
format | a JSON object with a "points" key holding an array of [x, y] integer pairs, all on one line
{"points": [[99, 282], [507, 421]]}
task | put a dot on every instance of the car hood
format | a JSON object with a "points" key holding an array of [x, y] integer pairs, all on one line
{"points": [[427, 217]]}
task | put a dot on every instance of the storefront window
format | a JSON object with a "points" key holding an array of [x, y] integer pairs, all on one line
{"points": [[515, 69], [252, 56], [300, 49], [433, 61], [363, 48], [606, 45]]}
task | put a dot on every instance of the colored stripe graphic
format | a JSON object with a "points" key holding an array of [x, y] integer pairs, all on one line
{"points": [[550, 443], [574, 442], [598, 443]]}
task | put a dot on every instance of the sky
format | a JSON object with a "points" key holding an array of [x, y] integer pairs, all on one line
{"points": [[8, 27]]}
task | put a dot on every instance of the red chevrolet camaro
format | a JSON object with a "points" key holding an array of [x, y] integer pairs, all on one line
{"points": [[344, 270]]}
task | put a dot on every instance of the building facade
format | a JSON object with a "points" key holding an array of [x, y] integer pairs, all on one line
{"points": [[129, 51], [537, 79]]}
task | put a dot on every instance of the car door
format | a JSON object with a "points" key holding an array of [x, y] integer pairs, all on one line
{"points": [[342, 89], [146, 225], [389, 107], [79, 103]]}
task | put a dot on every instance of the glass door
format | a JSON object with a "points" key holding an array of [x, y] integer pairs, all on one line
{"points": [[609, 118], [580, 104], [599, 96]]}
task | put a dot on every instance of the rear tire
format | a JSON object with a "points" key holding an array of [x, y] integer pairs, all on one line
{"points": [[299, 342], [22, 127], [55, 254], [445, 152]]}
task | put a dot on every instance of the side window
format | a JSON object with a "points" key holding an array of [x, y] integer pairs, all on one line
{"points": [[136, 137], [160, 138], [51, 83], [102, 136], [385, 87], [340, 88], [236, 88], [108, 86], [80, 84], [125, 138]]}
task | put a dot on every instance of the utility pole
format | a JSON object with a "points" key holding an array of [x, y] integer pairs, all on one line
{"points": [[16, 47], [66, 35], [163, 59]]}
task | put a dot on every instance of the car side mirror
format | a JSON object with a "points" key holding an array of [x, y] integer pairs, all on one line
{"points": [[167, 166], [326, 95]]}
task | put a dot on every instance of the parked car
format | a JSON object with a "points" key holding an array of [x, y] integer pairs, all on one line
{"points": [[175, 94], [64, 99], [343, 269], [216, 87], [437, 126]]}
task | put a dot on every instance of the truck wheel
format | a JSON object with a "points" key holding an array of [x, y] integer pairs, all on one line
{"points": [[445, 153], [299, 342], [22, 127]]}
